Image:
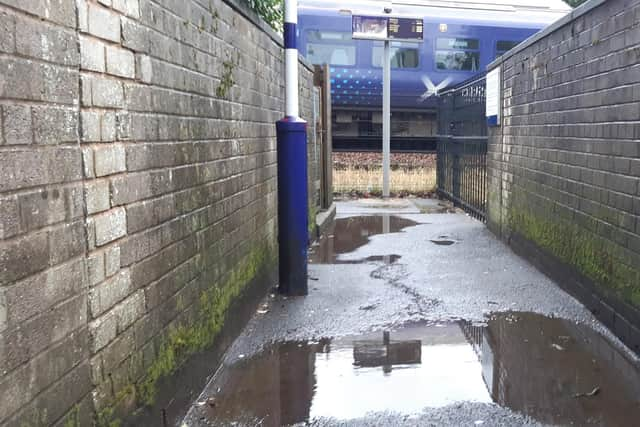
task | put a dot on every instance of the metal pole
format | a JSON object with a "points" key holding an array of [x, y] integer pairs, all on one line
{"points": [[386, 119], [293, 200], [291, 57]]}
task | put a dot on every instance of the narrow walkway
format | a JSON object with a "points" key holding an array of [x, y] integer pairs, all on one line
{"points": [[477, 336]]}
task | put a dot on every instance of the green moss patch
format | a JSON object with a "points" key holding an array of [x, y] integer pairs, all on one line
{"points": [[597, 258]]}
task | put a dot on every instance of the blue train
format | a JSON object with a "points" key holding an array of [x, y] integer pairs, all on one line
{"points": [[461, 38]]}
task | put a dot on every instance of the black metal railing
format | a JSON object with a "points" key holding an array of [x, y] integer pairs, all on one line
{"points": [[462, 147]]}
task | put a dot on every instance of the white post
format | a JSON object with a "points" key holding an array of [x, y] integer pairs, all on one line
{"points": [[386, 120], [291, 58]]}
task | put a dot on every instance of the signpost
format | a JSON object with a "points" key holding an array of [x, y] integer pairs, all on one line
{"points": [[386, 28]]}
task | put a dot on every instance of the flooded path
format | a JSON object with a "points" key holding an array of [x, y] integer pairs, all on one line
{"points": [[527, 355], [552, 370]]}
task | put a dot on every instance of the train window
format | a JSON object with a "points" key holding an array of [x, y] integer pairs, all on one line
{"points": [[456, 53], [330, 47], [457, 43], [458, 60], [503, 45], [402, 56]]}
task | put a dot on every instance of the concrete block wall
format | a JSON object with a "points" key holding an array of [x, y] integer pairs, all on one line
{"points": [[137, 193], [564, 168]]}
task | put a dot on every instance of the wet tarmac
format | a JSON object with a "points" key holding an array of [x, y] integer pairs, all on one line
{"points": [[552, 370], [348, 234], [527, 354]]}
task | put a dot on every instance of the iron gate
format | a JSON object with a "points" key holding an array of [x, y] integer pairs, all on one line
{"points": [[462, 146]]}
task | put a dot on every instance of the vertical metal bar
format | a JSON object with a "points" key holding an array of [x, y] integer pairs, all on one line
{"points": [[386, 119]]}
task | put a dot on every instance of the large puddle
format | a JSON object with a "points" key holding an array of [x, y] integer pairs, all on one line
{"points": [[553, 370], [348, 234]]}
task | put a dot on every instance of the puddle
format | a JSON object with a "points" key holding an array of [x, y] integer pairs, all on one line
{"points": [[545, 368], [443, 242], [348, 234], [386, 259]]}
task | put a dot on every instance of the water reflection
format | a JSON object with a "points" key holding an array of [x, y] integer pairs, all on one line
{"points": [[539, 366], [348, 234]]}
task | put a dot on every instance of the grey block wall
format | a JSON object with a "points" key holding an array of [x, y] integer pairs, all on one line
{"points": [[137, 193], [564, 167]]}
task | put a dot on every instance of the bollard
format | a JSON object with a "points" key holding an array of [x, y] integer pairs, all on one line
{"points": [[293, 209], [293, 218]]}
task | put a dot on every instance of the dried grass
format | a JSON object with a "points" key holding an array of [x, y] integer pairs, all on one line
{"points": [[403, 180]]}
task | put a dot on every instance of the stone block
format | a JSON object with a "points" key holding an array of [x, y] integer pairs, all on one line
{"points": [[59, 399], [130, 310], [95, 268], [86, 90], [97, 196], [38, 81], [67, 241], [104, 296], [50, 206], [120, 62], [88, 163], [10, 215], [22, 257], [40, 292], [58, 11], [46, 42], [40, 332], [117, 351], [104, 23], [22, 385], [108, 126], [112, 260], [17, 124], [128, 7], [53, 125], [107, 93], [92, 55], [102, 331], [110, 226], [145, 68], [134, 36], [8, 31], [82, 9], [109, 159], [90, 126]]}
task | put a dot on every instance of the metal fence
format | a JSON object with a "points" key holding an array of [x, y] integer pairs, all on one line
{"points": [[462, 146]]}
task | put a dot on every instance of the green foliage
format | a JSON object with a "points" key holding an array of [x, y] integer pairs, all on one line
{"points": [[272, 11], [575, 3]]}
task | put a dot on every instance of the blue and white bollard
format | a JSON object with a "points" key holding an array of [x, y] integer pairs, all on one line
{"points": [[293, 234]]}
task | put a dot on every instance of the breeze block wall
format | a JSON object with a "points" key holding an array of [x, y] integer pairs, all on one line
{"points": [[137, 194], [564, 167]]}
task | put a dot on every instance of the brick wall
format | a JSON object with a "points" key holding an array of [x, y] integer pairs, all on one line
{"points": [[137, 193], [564, 168]]}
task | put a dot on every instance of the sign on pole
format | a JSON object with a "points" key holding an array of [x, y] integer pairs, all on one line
{"points": [[386, 28]]}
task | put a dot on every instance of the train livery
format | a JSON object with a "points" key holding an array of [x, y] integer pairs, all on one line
{"points": [[461, 38]]}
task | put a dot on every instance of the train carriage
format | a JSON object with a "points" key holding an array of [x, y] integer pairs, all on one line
{"points": [[460, 39]]}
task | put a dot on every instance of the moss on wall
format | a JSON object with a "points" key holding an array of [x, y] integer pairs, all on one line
{"points": [[185, 340], [597, 258]]}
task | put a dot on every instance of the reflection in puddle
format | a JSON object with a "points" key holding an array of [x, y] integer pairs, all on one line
{"points": [[348, 234], [542, 367]]}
